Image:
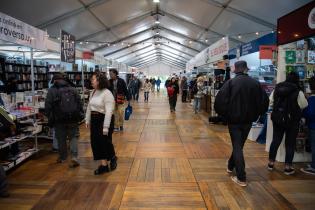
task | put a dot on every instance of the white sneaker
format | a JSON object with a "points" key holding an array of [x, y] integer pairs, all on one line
{"points": [[240, 183]]}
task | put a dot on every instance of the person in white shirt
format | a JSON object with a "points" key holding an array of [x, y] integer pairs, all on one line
{"points": [[287, 102], [100, 120]]}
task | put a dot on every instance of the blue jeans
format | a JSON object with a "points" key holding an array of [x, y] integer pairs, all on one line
{"points": [[63, 131], [312, 140], [197, 103]]}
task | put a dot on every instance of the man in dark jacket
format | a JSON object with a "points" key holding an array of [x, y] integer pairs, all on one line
{"points": [[241, 101], [172, 91], [120, 92], [64, 110]]}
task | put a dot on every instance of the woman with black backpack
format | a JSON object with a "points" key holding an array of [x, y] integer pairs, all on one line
{"points": [[287, 102]]}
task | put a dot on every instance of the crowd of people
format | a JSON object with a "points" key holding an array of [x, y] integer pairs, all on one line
{"points": [[241, 101]]}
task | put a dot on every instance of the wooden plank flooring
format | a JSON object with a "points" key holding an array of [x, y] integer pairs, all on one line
{"points": [[166, 161]]}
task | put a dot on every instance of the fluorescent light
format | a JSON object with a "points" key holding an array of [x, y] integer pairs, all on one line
{"points": [[156, 1], [157, 22]]}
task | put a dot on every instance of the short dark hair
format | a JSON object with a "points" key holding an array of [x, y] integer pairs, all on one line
{"points": [[293, 77], [312, 83], [114, 71], [102, 80]]}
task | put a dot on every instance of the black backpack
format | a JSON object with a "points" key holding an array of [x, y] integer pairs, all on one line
{"points": [[284, 112], [68, 105]]}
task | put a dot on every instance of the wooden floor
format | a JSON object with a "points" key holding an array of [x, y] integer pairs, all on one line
{"points": [[166, 161]]}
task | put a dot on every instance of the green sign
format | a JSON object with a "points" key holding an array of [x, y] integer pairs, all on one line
{"points": [[290, 57]]}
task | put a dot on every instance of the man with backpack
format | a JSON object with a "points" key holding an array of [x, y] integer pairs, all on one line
{"points": [[287, 102], [64, 110], [240, 101]]}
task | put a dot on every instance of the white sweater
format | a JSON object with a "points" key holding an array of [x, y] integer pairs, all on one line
{"points": [[101, 101]]}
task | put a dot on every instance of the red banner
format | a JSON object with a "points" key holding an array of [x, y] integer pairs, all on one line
{"points": [[266, 51], [88, 55], [297, 25]]}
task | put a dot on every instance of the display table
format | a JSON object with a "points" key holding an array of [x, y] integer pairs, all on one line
{"points": [[254, 132], [298, 156]]}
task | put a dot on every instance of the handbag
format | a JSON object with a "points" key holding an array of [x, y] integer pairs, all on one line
{"points": [[128, 112]]}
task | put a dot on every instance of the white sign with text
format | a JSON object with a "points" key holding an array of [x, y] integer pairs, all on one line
{"points": [[18, 32]]}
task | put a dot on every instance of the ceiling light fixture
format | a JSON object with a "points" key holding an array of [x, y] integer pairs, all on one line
{"points": [[190, 42], [239, 36], [207, 40], [81, 42], [156, 1], [257, 33], [108, 44], [58, 38]]}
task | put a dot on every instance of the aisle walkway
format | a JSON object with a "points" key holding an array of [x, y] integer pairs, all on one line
{"points": [[166, 161]]}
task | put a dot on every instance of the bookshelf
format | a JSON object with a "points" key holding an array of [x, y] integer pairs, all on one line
{"points": [[22, 74]]}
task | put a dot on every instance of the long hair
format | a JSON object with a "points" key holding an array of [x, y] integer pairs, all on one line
{"points": [[102, 80]]}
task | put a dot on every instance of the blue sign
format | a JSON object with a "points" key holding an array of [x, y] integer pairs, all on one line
{"points": [[253, 46]]}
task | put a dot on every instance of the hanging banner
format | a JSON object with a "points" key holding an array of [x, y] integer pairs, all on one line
{"points": [[266, 51], [253, 46], [15, 31], [67, 47], [218, 50], [88, 55], [209, 55]]}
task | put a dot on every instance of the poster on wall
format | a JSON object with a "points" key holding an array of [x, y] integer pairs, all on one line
{"points": [[289, 69], [311, 57], [300, 56], [18, 32], [67, 47], [290, 57], [311, 43], [300, 44]]}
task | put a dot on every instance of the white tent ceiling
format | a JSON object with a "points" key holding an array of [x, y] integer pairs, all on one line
{"points": [[126, 30]]}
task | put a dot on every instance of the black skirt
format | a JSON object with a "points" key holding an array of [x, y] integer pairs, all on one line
{"points": [[102, 146]]}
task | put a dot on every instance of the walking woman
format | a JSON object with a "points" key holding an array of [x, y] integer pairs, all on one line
{"points": [[100, 120], [147, 88], [172, 91], [287, 102]]}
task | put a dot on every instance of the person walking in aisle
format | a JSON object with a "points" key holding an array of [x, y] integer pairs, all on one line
{"points": [[136, 88], [153, 81], [119, 90], [64, 110], [309, 114], [100, 120], [287, 102], [198, 95], [158, 84], [147, 88], [241, 101], [184, 89], [172, 91]]}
